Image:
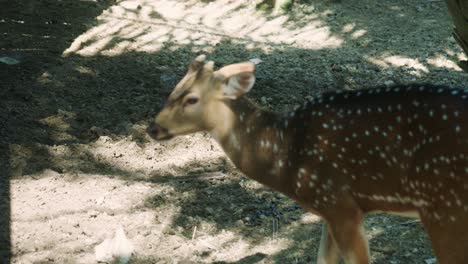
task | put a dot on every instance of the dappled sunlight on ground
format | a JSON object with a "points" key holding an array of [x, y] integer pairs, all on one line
{"points": [[398, 61], [415, 65], [441, 61], [146, 25], [72, 212]]}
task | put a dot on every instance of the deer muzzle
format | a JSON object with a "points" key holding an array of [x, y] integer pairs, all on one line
{"points": [[158, 132]]}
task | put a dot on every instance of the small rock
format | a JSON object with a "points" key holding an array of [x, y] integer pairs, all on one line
{"points": [[256, 61], [118, 248], [389, 82], [100, 200]]}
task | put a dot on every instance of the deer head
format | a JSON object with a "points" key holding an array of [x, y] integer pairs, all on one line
{"points": [[198, 102]]}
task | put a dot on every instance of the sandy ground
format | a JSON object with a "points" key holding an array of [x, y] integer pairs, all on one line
{"points": [[76, 163]]}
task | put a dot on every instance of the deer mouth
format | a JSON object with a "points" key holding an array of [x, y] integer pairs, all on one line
{"points": [[158, 132], [163, 137]]}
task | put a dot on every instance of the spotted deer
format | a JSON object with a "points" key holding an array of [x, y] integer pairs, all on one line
{"points": [[341, 155]]}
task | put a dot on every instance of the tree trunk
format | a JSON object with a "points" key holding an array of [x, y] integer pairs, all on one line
{"points": [[459, 11]]}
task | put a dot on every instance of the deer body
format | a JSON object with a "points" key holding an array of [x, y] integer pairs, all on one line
{"points": [[344, 154]]}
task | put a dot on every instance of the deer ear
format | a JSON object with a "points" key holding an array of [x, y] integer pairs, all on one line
{"points": [[198, 63], [237, 79], [238, 85]]}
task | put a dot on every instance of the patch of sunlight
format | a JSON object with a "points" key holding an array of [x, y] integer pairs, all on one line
{"points": [[458, 53], [462, 56], [76, 193], [145, 25], [91, 43], [195, 153], [59, 125], [374, 232], [359, 33], [223, 245], [132, 32], [120, 47], [85, 70], [19, 157], [44, 78], [441, 61], [231, 248], [309, 218], [395, 8], [398, 61], [348, 27], [125, 155]]}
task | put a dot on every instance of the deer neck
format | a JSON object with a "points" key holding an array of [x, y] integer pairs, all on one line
{"points": [[252, 138]]}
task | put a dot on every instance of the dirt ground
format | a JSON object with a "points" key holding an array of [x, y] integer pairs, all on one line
{"points": [[76, 164]]}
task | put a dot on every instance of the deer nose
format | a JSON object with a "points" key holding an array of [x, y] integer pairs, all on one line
{"points": [[153, 130]]}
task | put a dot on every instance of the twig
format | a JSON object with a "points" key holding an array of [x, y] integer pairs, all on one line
{"points": [[203, 176], [275, 229], [194, 232], [195, 177]]}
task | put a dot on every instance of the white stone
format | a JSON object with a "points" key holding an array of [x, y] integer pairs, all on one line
{"points": [[118, 248]]}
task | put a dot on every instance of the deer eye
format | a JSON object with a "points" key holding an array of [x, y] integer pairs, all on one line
{"points": [[191, 101]]}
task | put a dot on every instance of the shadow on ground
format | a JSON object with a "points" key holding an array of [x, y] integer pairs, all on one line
{"points": [[35, 33]]}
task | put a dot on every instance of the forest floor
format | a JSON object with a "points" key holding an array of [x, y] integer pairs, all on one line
{"points": [[76, 162]]}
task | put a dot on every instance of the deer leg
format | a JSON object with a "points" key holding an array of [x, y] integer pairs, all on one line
{"points": [[449, 236], [348, 234], [328, 251]]}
